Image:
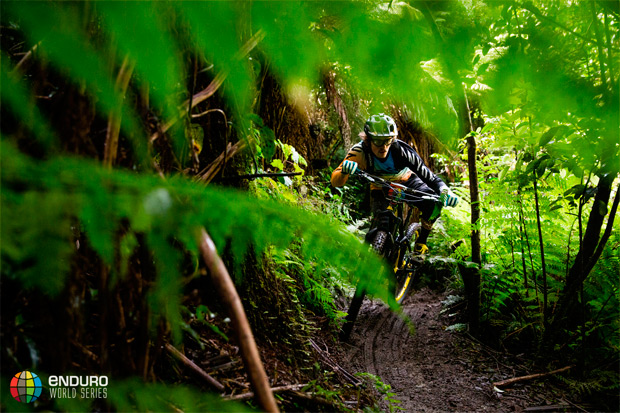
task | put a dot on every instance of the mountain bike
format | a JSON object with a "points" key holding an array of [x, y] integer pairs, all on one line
{"points": [[392, 234]]}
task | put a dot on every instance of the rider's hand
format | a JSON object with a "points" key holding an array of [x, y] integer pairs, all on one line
{"points": [[448, 198], [349, 167]]}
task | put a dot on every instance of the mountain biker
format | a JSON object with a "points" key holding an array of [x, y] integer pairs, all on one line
{"points": [[381, 154]]}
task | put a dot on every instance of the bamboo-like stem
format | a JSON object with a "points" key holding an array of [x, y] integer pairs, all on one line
{"points": [[599, 46], [542, 250], [249, 351], [115, 116], [529, 252], [521, 234], [211, 88], [207, 174], [610, 59]]}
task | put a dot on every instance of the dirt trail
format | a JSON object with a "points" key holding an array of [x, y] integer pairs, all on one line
{"points": [[431, 370]]}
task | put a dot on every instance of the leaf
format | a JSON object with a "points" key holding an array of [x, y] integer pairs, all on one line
{"points": [[268, 142], [548, 135], [256, 119], [576, 189], [506, 12], [277, 163], [503, 172]]}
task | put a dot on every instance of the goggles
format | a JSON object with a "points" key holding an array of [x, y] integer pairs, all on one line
{"points": [[382, 141]]}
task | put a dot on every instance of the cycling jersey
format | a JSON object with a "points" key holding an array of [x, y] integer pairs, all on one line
{"points": [[399, 165]]}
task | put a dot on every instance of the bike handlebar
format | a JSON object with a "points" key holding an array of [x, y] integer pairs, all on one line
{"points": [[410, 194]]}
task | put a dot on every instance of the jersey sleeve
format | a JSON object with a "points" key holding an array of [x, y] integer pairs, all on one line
{"points": [[356, 154], [416, 164]]}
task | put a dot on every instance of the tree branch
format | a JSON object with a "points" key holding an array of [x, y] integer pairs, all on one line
{"points": [[188, 363], [529, 377], [250, 395], [534, 10], [249, 351], [207, 174], [213, 86]]}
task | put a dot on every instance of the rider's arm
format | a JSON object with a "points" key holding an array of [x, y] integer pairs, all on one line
{"points": [[416, 164], [356, 154]]}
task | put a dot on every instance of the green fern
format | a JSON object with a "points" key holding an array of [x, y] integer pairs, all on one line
{"points": [[59, 190]]}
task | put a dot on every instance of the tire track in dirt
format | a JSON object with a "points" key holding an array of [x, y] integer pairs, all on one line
{"points": [[429, 370]]}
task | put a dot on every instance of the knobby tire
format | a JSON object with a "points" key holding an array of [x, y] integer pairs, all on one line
{"points": [[403, 275]]}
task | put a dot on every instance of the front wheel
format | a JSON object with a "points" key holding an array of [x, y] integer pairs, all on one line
{"points": [[403, 277], [404, 269]]}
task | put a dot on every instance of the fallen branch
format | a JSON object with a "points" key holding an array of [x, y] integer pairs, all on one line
{"points": [[188, 363], [550, 408], [249, 351], [335, 366], [250, 395], [312, 397], [530, 377], [225, 367]]}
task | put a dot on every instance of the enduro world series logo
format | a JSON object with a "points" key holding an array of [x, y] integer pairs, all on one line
{"points": [[26, 387]]}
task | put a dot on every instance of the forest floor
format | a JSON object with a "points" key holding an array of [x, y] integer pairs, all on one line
{"points": [[432, 369]]}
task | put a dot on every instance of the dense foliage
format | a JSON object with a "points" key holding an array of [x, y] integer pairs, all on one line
{"points": [[116, 114]]}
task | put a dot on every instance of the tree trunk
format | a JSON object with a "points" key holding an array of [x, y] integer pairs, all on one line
{"points": [[334, 99], [286, 120], [471, 276], [590, 246], [475, 199]]}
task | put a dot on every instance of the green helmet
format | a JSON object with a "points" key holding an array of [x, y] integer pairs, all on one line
{"points": [[380, 125]]}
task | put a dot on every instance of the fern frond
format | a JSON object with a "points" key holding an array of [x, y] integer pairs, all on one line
{"points": [[59, 191]]}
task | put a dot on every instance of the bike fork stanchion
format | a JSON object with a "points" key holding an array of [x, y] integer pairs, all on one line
{"points": [[354, 310]]}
